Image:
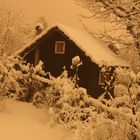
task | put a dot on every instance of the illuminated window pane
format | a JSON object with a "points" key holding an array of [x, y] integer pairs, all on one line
{"points": [[59, 47]]}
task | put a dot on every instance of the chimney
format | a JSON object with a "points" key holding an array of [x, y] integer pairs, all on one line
{"points": [[39, 28]]}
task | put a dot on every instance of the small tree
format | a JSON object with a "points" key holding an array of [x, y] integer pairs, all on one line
{"points": [[14, 31]]}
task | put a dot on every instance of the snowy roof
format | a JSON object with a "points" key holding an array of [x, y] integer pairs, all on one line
{"points": [[95, 49]]}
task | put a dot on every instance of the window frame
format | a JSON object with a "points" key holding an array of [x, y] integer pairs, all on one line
{"points": [[106, 77], [100, 77], [57, 52]]}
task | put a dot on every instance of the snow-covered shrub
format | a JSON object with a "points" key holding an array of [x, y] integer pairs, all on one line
{"points": [[28, 81], [126, 84], [76, 62], [123, 76], [126, 92], [120, 82], [73, 111], [106, 129], [67, 99], [120, 90], [123, 101], [70, 106], [73, 108], [7, 82], [39, 99], [18, 80], [138, 78]]}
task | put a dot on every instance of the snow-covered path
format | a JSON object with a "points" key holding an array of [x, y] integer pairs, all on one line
{"points": [[22, 121]]}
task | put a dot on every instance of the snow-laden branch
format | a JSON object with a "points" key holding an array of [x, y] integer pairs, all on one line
{"points": [[115, 113], [42, 79]]}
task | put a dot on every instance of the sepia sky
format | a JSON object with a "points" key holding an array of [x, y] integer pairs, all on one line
{"points": [[55, 11], [62, 11]]}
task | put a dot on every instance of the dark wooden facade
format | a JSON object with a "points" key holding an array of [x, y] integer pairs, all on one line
{"points": [[44, 49]]}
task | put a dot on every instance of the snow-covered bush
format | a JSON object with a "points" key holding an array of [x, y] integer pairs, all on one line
{"points": [[67, 99], [70, 106], [106, 129], [138, 78], [17, 79], [28, 81], [120, 90], [125, 76], [76, 63], [126, 85], [90, 119], [39, 99], [120, 82]]}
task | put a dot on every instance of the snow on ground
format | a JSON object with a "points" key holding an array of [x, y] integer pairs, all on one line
{"points": [[22, 121]]}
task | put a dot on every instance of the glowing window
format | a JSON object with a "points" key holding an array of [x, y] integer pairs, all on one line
{"points": [[59, 47]]}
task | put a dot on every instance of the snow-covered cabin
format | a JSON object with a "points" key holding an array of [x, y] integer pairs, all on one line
{"points": [[57, 45]]}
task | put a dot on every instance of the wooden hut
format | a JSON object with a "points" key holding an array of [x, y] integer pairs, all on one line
{"points": [[57, 45]]}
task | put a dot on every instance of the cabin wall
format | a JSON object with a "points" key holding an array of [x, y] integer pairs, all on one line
{"points": [[30, 57], [54, 63]]}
